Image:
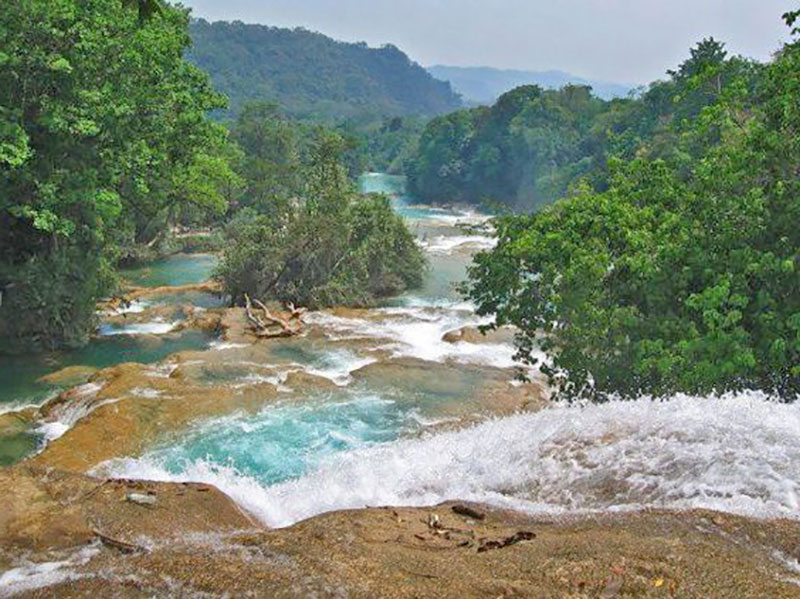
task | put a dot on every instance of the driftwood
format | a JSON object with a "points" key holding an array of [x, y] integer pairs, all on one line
{"points": [[269, 325], [119, 545]]}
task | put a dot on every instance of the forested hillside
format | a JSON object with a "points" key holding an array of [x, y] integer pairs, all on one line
{"points": [[533, 145], [313, 76], [483, 85]]}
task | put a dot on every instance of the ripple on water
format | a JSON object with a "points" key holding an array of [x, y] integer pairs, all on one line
{"points": [[286, 440], [176, 270], [737, 453]]}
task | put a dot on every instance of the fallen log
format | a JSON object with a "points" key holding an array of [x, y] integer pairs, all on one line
{"points": [[271, 325]]}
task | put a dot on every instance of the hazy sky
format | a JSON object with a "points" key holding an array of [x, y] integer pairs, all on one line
{"points": [[628, 41]]}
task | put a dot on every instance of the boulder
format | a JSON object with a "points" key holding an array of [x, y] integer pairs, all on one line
{"points": [[474, 335]]}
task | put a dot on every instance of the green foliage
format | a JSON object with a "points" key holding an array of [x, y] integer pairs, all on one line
{"points": [[681, 275], [385, 146], [533, 146], [522, 152], [103, 140], [791, 18], [313, 76], [147, 8], [273, 147], [326, 246], [52, 298]]}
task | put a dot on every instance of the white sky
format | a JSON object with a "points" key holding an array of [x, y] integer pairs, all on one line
{"points": [[627, 41]]}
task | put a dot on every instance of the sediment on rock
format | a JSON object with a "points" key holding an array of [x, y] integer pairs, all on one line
{"points": [[193, 540]]}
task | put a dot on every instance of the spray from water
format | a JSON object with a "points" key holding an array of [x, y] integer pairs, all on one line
{"points": [[738, 454]]}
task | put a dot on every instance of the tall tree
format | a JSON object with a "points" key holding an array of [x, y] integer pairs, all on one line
{"points": [[674, 278], [103, 132]]}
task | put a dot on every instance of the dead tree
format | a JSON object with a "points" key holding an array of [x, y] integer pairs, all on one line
{"points": [[269, 325]]}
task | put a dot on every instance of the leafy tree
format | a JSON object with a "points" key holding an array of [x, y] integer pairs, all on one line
{"points": [[327, 246], [533, 145], [103, 139], [387, 145], [674, 278], [273, 148], [791, 18], [147, 8]]}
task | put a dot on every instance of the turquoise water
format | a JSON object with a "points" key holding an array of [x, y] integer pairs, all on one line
{"points": [[286, 441], [19, 385], [382, 404], [15, 446], [19, 374], [382, 183], [441, 284], [180, 269], [199, 299], [395, 187]]}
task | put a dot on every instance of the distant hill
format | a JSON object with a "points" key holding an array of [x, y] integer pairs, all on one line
{"points": [[483, 85], [313, 76]]}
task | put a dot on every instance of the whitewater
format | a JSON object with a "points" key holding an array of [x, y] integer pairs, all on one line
{"points": [[737, 454], [372, 446]]}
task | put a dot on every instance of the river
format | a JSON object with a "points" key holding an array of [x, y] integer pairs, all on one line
{"points": [[408, 418]]}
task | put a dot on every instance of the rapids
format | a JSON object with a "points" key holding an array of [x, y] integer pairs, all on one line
{"points": [[377, 439], [374, 407], [738, 454]]}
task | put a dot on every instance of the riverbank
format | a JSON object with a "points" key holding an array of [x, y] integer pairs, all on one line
{"points": [[73, 536]]}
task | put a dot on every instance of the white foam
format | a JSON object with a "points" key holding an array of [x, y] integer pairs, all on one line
{"points": [[140, 328], [339, 365], [52, 430], [447, 244], [134, 307], [14, 407], [739, 454], [164, 371], [277, 380], [30, 576], [223, 345], [448, 217], [146, 392], [64, 416], [417, 331]]}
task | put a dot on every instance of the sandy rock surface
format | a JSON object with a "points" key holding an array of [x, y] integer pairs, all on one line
{"points": [[194, 541]]}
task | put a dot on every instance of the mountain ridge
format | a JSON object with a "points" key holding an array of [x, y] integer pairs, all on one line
{"points": [[311, 75], [484, 84]]}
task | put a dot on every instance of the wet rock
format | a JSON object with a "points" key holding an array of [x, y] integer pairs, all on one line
{"points": [[140, 499], [131, 406], [14, 446], [302, 381], [517, 537], [465, 391], [209, 321], [234, 327], [155, 313], [69, 376], [465, 510], [16, 422], [201, 543], [47, 510], [474, 335], [134, 293]]}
